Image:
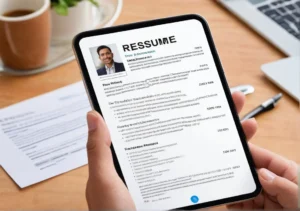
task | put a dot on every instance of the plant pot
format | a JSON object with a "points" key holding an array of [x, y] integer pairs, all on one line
{"points": [[84, 16]]}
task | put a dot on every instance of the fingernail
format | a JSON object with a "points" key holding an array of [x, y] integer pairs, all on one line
{"points": [[91, 121], [267, 175]]}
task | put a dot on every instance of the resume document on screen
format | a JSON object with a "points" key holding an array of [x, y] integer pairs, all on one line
{"points": [[169, 119]]}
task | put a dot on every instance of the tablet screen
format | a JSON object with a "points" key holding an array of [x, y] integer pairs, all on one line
{"points": [[171, 126]]}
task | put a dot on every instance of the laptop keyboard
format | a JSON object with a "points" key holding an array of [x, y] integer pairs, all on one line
{"points": [[286, 13]]}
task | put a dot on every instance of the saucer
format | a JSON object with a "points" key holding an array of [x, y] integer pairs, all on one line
{"points": [[63, 53]]}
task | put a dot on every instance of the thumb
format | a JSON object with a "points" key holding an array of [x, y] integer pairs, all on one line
{"points": [[100, 160], [285, 191]]}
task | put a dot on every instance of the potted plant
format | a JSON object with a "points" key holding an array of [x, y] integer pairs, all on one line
{"points": [[61, 6], [70, 17]]}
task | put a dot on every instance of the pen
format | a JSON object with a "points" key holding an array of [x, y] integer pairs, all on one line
{"points": [[265, 106]]}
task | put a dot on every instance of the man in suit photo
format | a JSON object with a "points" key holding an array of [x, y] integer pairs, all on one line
{"points": [[107, 58]]}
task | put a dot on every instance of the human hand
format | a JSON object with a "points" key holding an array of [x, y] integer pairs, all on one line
{"points": [[277, 175]]}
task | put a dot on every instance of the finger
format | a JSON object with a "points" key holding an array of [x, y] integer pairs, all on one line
{"points": [[248, 205], [98, 146], [285, 191], [259, 201], [239, 100], [249, 127], [238, 206], [271, 205], [275, 163], [256, 203]]}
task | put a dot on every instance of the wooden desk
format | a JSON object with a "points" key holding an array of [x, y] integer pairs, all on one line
{"points": [[242, 52]]}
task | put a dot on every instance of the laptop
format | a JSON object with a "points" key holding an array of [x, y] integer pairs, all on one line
{"points": [[278, 21]]}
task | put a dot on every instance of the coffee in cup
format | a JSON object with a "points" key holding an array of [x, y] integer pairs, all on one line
{"points": [[25, 31]]}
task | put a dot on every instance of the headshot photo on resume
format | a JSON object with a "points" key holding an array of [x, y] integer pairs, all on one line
{"points": [[107, 60]]}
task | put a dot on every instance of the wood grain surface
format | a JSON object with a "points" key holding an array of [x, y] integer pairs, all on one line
{"points": [[242, 52]]}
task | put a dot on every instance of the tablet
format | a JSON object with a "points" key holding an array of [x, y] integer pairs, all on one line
{"points": [[176, 137]]}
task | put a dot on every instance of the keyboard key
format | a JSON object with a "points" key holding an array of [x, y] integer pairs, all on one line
{"points": [[279, 2], [281, 10], [286, 26], [291, 7], [296, 14], [274, 15], [264, 8], [292, 30], [289, 18]]}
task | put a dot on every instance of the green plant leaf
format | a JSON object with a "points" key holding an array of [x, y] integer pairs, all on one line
{"points": [[61, 9], [63, 3], [61, 6], [72, 3], [94, 2]]}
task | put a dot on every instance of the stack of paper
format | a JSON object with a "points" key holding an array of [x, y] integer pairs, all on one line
{"points": [[44, 136]]}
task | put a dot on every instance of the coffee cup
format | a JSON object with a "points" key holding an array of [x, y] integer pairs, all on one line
{"points": [[25, 32]]}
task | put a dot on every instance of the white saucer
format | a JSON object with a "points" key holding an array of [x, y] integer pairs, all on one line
{"points": [[61, 54]]}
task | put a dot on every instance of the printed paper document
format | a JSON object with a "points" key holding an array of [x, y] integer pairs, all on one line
{"points": [[44, 136]]}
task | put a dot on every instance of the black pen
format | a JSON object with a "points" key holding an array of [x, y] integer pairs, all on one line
{"points": [[265, 106]]}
